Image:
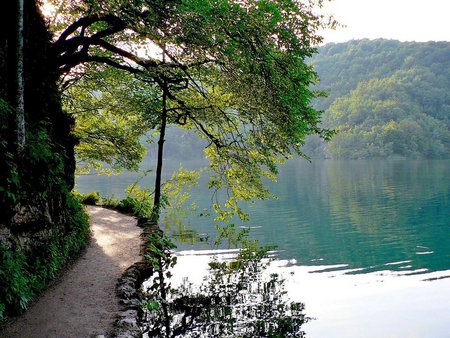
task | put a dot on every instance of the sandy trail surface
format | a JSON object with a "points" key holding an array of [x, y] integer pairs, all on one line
{"points": [[83, 302]]}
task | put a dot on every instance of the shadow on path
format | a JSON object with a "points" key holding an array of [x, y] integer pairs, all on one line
{"points": [[83, 303]]}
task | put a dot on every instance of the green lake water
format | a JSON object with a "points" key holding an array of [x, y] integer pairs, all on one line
{"points": [[364, 244]]}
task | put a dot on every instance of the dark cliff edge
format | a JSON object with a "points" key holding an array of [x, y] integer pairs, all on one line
{"points": [[41, 225]]}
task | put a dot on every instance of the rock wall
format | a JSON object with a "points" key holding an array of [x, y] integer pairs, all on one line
{"points": [[33, 184], [36, 209]]}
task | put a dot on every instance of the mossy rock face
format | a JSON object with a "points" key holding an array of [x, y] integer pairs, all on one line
{"points": [[42, 173], [34, 181], [30, 259], [41, 225]]}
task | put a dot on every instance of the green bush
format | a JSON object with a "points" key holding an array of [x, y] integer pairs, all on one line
{"points": [[138, 201], [110, 201], [23, 276], [90, 198], [15, 280]]}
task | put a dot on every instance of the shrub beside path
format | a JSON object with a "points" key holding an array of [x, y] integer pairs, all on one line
{"points": [[83, 303]]}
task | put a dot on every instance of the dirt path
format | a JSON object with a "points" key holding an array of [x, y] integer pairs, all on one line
{"points": [[83, 303]]}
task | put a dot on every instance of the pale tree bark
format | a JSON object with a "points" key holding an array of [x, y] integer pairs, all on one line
{"points": [[20, 104]]}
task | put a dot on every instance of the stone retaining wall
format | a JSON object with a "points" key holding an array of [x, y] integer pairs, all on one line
{"points": [[128, 290]]}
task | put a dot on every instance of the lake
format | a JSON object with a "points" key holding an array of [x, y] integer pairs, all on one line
{"points": [[364, 244]]}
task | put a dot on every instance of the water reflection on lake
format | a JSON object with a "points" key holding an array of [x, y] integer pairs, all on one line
{"points": [[372, 305], [364, 214], [377, 231], [238, 297]]}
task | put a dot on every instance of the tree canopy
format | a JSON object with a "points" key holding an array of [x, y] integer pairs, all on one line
{"points": [[233, 71]]}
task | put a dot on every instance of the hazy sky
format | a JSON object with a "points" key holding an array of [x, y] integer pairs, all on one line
{"points": [[405, 20]]}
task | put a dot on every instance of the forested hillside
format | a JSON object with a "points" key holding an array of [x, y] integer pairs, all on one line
{"points": [[386, 99]]}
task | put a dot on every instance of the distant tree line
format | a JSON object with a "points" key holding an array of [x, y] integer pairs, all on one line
{"points": [[386, 99]]}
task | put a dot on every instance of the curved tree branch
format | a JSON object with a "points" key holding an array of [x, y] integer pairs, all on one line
{"points": [[113, 20]]}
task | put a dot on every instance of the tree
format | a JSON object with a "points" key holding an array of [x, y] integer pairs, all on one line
{"points": [[20, 109], [113, 111], [162, 132], [234, 72]]}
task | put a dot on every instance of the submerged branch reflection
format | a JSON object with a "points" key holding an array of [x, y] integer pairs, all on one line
{"points": [[235, 299]]}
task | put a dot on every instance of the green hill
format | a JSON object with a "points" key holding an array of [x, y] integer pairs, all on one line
{"points": [[386, 99]]}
